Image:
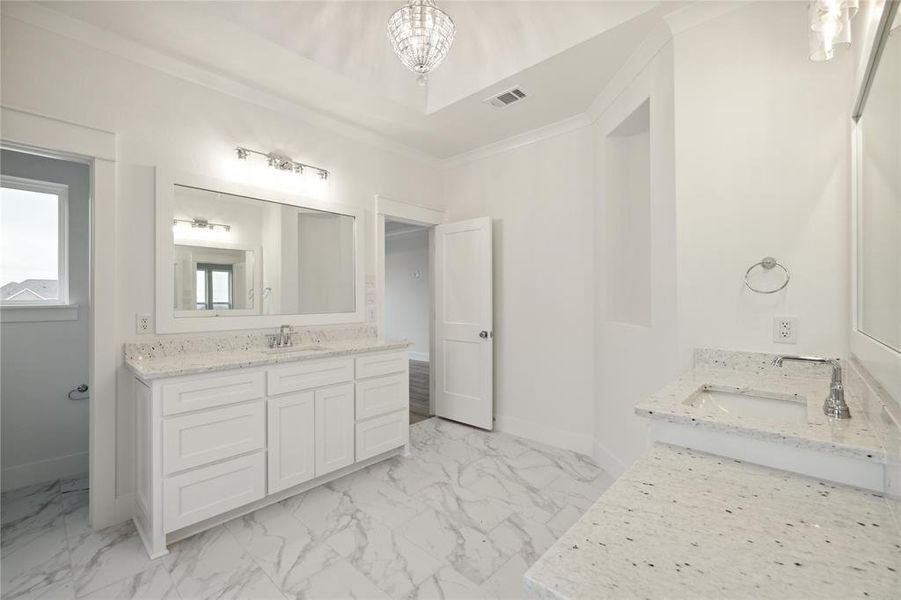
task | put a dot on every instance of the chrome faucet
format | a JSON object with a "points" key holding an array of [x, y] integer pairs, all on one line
{"points": [[835, 405], [283, 338]]}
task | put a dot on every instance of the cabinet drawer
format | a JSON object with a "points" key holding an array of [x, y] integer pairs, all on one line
{"points": [[212, 390], [200, 438], [382, 395], [209, 491], [382, 434], [373, 365], [307, 375]]}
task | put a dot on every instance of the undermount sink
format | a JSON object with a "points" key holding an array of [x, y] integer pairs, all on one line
{"points": [[293, 349], [766, 406]]}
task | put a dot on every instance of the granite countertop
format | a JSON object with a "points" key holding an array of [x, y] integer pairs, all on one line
{"points": [[864, 436], [683, 524], [184, 363]]}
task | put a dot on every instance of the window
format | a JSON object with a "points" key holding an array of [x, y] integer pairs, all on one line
{"points": [[214, 286], [33, 249]]}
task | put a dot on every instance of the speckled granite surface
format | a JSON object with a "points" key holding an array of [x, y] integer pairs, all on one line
{"points": [[191, 355], [867, 435], [682, 524]]}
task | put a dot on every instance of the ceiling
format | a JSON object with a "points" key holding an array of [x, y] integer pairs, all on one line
{"points": [[334, 57]]}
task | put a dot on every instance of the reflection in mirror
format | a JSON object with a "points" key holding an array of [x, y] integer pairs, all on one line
{"points": [[879, 204], [235, 255]]}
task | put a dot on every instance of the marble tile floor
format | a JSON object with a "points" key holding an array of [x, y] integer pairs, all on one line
{"points": [[463, 517]]}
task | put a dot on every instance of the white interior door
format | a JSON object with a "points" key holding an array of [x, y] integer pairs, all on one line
{"points": [[463, 366]]}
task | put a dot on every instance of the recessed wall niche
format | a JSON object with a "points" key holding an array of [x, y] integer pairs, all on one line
{"points": [[628, 217]]}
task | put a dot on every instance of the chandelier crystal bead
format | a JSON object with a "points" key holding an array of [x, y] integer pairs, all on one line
{"points": [[421, 35]]}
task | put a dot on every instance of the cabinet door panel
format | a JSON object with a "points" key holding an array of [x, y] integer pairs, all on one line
{"points": [[202, 493], [334, 428], [306, 375], [382, 395], [291, 441], [382, 434], [210, 435]]}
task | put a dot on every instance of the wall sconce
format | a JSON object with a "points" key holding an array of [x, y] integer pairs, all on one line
{"points": [[829, 26], [280, 162]]}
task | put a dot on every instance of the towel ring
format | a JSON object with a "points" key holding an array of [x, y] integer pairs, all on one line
{"points": [[767, 263]]}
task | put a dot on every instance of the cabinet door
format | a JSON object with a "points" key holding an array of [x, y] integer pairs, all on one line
{"points": [[334, 428], [291, 441]]}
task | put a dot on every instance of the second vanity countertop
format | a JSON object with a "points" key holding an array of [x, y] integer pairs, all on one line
{"points": [[683, 524], [177, 365], [863, 436]]}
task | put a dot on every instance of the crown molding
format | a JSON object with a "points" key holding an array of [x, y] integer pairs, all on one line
{"points": [[699, 13], [522, 139], [55, 22]]}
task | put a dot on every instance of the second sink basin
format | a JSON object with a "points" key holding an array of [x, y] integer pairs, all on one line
{"points": [[765, 406]]}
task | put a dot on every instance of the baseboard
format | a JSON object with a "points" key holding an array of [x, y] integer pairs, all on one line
{"points": [[39, 471], [606, 460], [546, 435], [420, 356]]}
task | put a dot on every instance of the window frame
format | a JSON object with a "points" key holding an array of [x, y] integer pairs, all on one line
{"points": [[208, 269], [61, 191]]}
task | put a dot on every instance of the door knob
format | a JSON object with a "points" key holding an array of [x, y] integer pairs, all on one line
{"points": [[483, 334]]}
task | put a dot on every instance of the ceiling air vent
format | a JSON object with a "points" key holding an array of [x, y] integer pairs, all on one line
{"points": [[506, 98]]}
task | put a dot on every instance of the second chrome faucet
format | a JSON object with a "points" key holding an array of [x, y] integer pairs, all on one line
{"points": [[835, 405]]}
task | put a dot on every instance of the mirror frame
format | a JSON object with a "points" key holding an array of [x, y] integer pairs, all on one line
{"points": [[166, 319], [880, 359]]}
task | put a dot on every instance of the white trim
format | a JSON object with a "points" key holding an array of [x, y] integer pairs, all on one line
{"points": [[699, 13], [168, 322], [39, 471], [606, 460], [420, 356], [12, 313], [522, 139], [546, 435], [880, 360], [61, 191], [419, 215], [60, 139], [107, 41]]}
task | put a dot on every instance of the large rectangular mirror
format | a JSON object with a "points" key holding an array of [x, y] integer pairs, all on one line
{"points": [[253, 258], [879, 196]]}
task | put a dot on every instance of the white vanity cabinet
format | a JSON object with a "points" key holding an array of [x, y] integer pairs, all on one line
{"points": [[211, 447]]}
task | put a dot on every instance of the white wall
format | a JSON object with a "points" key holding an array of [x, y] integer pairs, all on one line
{"points": [[762, 169], [408, 299], [539, 197], [633, 360], [162, 120], [44, 434]]}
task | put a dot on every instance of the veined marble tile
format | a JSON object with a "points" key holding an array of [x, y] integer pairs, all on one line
{"points": [[393, 563], [520, 536], [28, 513], [152, 584], [340, 580], [448, 584], [323, 510], [470, 551], [405, 474], [100, 558], [213, 565], [376, 498], [507, 582], [466, 507], [37, 565]]}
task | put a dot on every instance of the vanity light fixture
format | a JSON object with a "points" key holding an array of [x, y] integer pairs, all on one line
{"points": [[829, 26], [201, 223], [280, 162]]}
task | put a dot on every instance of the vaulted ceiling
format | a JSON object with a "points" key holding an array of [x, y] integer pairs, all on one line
{"points": [[334, 57]]}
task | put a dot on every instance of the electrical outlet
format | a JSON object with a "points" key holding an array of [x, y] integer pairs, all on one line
{"points": [[785, 330], [143, 323], [370, 313]]}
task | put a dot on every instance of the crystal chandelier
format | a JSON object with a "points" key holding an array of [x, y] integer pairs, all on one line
{"points": [[421, 34], [829, 26]]}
